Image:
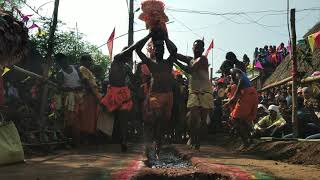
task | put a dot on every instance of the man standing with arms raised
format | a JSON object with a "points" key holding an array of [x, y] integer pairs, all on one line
{"points": [[200, 100], [118, 98], [161, 98]]}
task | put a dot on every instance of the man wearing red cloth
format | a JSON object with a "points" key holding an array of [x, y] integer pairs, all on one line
{"points": [[244, 111], [161, 97], [118, 98]]}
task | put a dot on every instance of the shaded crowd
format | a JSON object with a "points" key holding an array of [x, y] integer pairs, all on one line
{"points": [[275, 113]]}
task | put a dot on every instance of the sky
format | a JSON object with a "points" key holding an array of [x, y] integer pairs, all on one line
{"points": [[238, 33]]}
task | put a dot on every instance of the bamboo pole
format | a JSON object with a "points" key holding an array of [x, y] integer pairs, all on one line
{"points": [[296, 128], [276, 84], [310, 79], [303, 81], [37, 76]]}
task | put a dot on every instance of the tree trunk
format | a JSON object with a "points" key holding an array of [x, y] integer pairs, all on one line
{"points": [[44, 98]]}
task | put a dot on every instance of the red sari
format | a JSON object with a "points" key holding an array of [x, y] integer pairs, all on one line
{"points": [[89, 114]]}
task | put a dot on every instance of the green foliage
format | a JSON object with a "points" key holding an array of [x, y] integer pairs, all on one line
{"points": [[8, 5], [70, 43]]}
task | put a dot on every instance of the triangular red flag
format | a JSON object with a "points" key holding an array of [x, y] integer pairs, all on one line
{"points": [[317, 40], [33, 26], [209, 48], [110, 43]]}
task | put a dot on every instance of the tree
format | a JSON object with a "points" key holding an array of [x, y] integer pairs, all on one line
{"points": [[49, 62], [70, 43], [13, 38], [9, 4]]}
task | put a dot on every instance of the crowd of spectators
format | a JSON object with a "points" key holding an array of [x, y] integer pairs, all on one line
{"points": [[275, 118], [270, 57]]}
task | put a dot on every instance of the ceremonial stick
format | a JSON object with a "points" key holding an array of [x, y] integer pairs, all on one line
{"points": [[33, 74]]}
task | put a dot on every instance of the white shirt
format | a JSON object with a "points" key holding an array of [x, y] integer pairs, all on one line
{"points": [[71, 80]]}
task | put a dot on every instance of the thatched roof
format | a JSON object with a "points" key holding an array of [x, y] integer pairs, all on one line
{"points": [[33, 62], [13, 39], [314, 29], [307, 64]]}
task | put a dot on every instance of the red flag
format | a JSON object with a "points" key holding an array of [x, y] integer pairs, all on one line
{"points": [[209, 48], [33, 26], [317, 40], [110, 43]]}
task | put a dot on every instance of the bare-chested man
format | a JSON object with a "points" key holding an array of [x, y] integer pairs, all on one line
{"points": [[200, 99], [161, 98], [118, 98]]}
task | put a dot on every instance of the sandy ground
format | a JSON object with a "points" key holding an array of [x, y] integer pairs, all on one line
{"points": [[94, 163], [107, 162], [221, 159]]}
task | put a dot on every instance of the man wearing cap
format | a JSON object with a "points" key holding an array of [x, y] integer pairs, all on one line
{"points": [[262, 112], [309, 101], [269, 123]]}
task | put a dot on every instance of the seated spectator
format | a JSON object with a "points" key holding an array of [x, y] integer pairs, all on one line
{"points": [[268, 124], [262, 112], [309, 101], [289, 96], [317, 105], [309, 123], [285, 111], [299, 91]]}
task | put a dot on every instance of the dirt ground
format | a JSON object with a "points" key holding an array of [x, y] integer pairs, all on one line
{"points": [[304, 153], [220, 158], [290, 151], [263, 159]]}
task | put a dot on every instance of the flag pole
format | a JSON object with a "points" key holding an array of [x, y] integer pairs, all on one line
{"points": [[187, 49], [212, 63], [211, 69]]}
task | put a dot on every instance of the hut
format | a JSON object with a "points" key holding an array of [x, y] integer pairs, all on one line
{"points": [[314, 29], [307, 63], [13, 39], [257, 81]]}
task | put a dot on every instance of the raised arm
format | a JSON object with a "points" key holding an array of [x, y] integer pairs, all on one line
{"points": [[239, 77], [183, 58], [127, 52], [236, 93], [171, 47], [185, 68], [139, 45]]}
